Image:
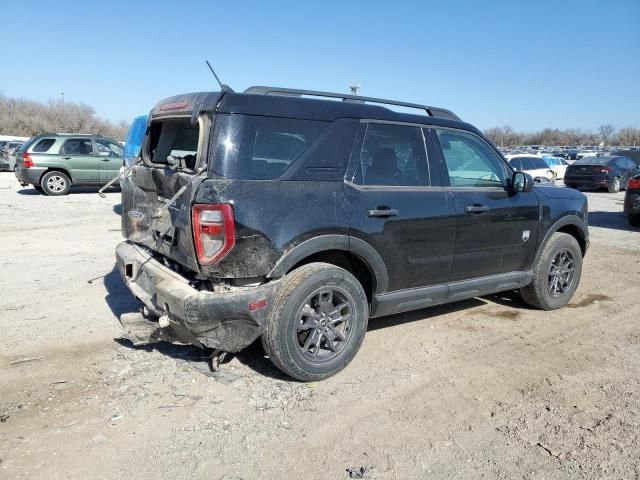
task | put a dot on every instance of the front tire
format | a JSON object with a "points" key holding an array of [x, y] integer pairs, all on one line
{"points": [[55, 183], [556, 273], [317, 322]]}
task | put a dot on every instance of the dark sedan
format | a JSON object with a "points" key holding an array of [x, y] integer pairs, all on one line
{"points": [[632, 201], [610, 172]]}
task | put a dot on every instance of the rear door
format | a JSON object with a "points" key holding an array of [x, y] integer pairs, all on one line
{"points": [[78, 157], [393, 206], [496, 228], [149, 187], [110, 154]]}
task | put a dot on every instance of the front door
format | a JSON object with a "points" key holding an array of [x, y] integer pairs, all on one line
{"points": [[110, 154], [79, 159], [496, 227], [393, 207]]}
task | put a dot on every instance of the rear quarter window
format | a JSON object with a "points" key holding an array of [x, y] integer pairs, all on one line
{"points": [[261, 148], [43, 145]]}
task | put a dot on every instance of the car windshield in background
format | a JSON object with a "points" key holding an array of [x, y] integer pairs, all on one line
{"points": [[593, 161], [537, 163]]}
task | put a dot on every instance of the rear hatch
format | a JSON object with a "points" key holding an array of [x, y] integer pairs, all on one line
{"points": [[174, 151]]}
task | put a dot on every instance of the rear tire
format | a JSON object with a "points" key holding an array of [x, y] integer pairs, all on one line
{"points": [[614, 186], [317, 322], [634, 220], [55, 183], [556, 273]]}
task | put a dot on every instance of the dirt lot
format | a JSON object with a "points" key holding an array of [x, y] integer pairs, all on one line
{"points": [[480, 389]]}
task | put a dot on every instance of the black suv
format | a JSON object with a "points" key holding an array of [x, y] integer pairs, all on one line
{"points": [[296, 216]]}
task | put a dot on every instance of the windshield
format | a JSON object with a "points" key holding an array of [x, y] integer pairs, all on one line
{"points": [[593, 161], [537, 163]]}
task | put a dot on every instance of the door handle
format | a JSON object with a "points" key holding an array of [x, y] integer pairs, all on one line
{"points": [[104, 159], [66, 158], [476, 208], [382, 212]]}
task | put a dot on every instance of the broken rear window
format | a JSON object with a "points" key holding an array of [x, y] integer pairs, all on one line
{"points": [[174, 141]]}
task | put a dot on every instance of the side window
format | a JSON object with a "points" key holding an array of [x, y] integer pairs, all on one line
{"points": [[516, 163], [77, 146], [392, 155], [271, 145], [43, 145], [470, 161], [108, 149]]}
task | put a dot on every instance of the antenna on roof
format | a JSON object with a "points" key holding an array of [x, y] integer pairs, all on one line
{"points": [[223, 87]]}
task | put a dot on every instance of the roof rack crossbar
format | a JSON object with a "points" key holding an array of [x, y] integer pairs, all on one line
{"points": [[431, 111]]}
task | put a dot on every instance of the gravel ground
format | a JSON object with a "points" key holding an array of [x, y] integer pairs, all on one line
{"points": [[486, 388]]}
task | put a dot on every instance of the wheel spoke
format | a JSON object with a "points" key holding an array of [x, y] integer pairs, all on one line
{"points": [[313, 340], [325, 301]]}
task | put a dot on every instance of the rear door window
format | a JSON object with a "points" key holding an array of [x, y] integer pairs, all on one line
{"points": [[43, 145], [392, 155], [77, 146]]}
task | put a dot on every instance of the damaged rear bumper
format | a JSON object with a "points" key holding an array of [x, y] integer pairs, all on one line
{"points": [[228, 320]]}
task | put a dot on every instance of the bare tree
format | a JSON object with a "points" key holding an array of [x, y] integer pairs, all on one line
{"points": [[605, 132], [22, 117]]}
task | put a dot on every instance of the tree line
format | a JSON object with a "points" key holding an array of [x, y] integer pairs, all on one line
{"points": [[24, 118], [506, 136]]}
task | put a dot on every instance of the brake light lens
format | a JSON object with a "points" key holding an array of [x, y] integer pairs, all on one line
{"points": [[634, 182], [173, 106], [214, 232], [27, 162], [605, 170]]}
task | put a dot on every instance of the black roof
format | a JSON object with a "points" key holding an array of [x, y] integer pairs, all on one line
{"points": [[303, 104]]}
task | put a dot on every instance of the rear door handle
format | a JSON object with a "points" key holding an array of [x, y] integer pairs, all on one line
{"points": [[66, 158], [476, 208], [382, 212]]}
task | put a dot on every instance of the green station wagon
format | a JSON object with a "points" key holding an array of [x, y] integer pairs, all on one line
{"points": [[53, 162]]}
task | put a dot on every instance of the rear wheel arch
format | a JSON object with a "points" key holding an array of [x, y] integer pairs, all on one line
{"points": [[352, 254], [56, 169]]}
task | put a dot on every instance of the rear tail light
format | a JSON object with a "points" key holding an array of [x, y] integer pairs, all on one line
{"points": [[26, 160], [605, 170], [634, 183], [213, 232]]}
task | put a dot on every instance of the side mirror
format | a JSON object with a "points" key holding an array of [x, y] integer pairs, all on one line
{"points": [[521, 182]]}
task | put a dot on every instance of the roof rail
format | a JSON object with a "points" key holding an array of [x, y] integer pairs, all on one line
{"points": [[293, 92]]}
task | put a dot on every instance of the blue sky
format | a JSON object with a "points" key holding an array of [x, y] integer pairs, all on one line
{"points": [[530, 64]]}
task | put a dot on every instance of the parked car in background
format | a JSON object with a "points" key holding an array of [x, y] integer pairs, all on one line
{"points": [[53, 162], [134, 139], [586, 152], [558, 165], [632, 154], [632, 201], [610, 172], [7, 155], [533, 165]]}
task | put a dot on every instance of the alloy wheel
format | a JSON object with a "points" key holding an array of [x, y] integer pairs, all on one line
{"points": [[561, 273], [323, 326], [56, 183]]}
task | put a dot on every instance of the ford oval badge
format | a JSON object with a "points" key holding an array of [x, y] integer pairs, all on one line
{"points": [[135, 214]]}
